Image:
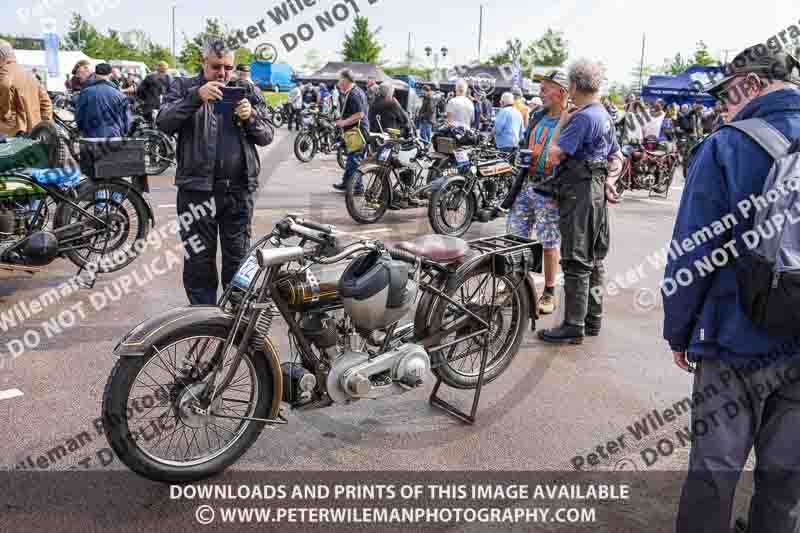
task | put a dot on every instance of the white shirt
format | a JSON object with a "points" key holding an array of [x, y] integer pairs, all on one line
{"points": [[462, 111], [296, 98]]}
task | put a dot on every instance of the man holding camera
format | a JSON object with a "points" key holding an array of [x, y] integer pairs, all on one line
{"points": [[218, 166]]}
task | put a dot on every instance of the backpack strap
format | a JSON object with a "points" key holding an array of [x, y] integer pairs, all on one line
{"points": [[764, 134]]}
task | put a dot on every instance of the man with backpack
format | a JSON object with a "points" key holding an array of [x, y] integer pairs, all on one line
{"points": [[736, 327]]}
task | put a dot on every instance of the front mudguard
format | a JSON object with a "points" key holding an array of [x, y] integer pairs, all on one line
{"points": [[144, 337], [369, 166]]}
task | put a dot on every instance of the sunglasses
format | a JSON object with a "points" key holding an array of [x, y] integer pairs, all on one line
{"points": [[220, 66]]}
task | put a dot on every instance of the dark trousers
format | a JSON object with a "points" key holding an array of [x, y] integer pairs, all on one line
{"points": [[232, 221], [353, 162], [295, 118], [584, 245], [742, 410]]}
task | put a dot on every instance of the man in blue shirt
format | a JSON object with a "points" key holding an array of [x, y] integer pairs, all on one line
{"points": [[753, 375], [507, 124], [102, 110], [582, 144]]}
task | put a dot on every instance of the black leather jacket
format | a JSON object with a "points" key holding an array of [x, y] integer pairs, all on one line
{"points": [[183, 112]]}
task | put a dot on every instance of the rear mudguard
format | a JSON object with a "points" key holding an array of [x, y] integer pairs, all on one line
{"points": [[131, 190], [428, 299], [141, 339]]}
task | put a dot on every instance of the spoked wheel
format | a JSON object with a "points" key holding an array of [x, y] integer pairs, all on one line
{"points": [[153, 413], [662, 189], [305, 147], [109, 242], [369, 206], [459, 365], [157, 152], [341, 155], [451, 209]]}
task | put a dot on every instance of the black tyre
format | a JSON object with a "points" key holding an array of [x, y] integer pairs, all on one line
{"points": [[154, 376], [341, 156], [47, 133], [370, 206], [157, 152], [277, 119], [451, 209], [110, 247], [663, 188], [305, 147], [458, 365]]}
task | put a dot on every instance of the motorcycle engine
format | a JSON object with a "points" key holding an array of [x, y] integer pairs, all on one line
{"points": [[407, 176], [354, 375], [20, 242]]}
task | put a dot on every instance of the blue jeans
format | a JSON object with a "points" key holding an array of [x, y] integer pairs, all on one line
{"points": [[353, 162], [426, 130]]}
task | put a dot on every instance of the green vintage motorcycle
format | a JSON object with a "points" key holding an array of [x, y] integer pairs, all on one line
{"points": [[50, 210]]}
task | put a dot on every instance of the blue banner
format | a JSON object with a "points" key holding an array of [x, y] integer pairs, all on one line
{"points": [[51, 54]]}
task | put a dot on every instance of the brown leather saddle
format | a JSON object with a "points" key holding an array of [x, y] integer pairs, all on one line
{"points": [[439, 248]]}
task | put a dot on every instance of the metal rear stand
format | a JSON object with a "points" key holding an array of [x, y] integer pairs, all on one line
{"points": [[489, 246]]}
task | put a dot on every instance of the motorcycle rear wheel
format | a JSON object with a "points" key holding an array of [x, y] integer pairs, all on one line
{"points": [[124, 210], [277, 119], [341, 156], [120, 408], [473, 289]]}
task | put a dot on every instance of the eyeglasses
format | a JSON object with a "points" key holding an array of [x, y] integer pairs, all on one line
{"points": [[722, 95], [220, 66]]}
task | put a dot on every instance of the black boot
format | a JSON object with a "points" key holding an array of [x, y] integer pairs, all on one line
{"points": [[594, 315], [576, 292]]}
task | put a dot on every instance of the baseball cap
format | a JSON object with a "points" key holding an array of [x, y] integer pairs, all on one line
{"points": [[104, 69], [557, 76], [761, 60]]}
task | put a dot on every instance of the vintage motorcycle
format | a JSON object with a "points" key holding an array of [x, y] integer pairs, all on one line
{"points": [[47, 212], [194, 386], [484, 178], [646, 167], [399, 176], [319, 135]]}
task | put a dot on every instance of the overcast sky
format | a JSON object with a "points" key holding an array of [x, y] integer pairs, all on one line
{"points": [[609, 30]]}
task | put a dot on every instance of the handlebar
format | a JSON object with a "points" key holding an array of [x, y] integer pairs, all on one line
{"points": [[401, 255]]}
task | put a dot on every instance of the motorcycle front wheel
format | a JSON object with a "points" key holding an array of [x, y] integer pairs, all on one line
{"points": [[459, 364], [305, 147], [451, 209], [341, 156], [369, 206], [150, 413]]}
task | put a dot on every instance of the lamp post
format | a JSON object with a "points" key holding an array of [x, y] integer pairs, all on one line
{"points": [[443, 50]]}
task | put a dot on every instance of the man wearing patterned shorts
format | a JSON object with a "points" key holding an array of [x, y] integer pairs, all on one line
{"points": [[535, 209]]}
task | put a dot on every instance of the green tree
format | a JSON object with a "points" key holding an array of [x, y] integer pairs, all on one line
{"points": [[191, 55], [514, 51], [243, 55], [362, 45], [702, 55], [617, 92], [550, 50], [675, 66]]}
